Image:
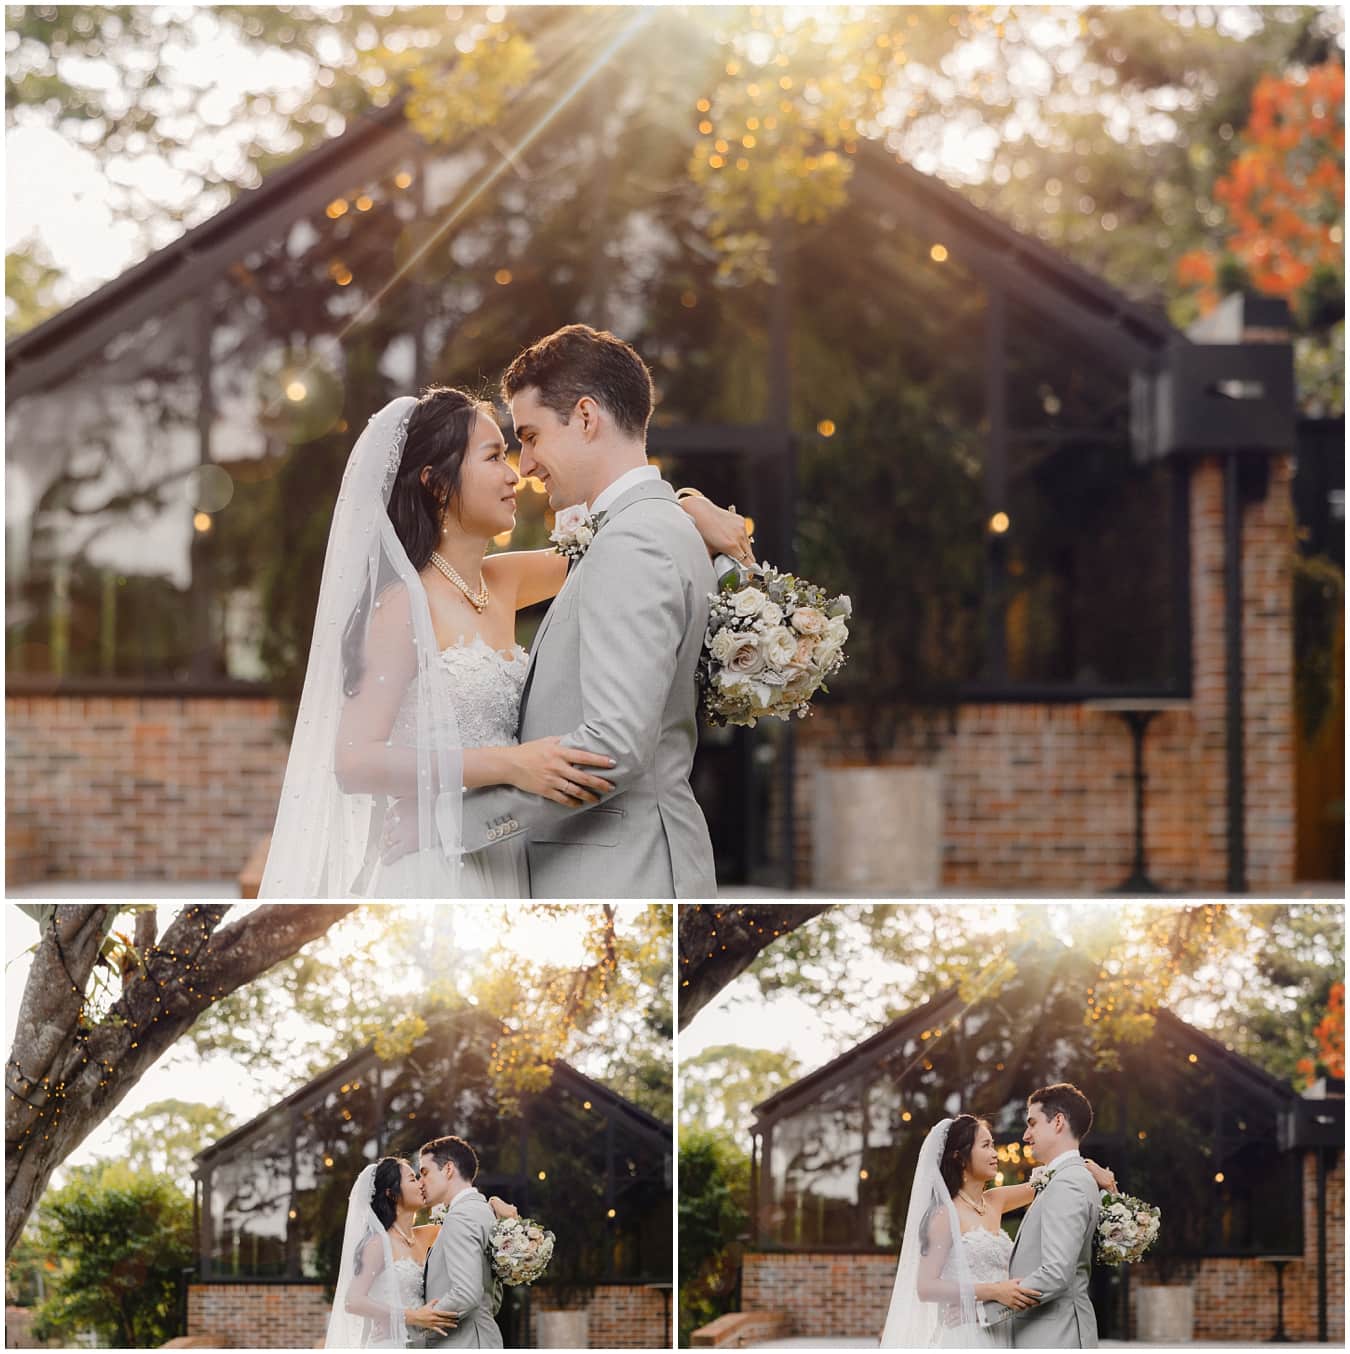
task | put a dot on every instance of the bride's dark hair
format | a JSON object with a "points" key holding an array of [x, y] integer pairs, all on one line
{"points": [[965, 1128], [386, 1190], [960, 1144], [438, 437]]}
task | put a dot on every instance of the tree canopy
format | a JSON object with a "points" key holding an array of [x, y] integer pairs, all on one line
{"points": [[1259, 977], [274, 991]]}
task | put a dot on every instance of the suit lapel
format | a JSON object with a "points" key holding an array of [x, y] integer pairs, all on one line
{"points": [[638, 493]]}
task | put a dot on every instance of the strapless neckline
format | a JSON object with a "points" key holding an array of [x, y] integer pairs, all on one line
{"points": [[479, 645]]}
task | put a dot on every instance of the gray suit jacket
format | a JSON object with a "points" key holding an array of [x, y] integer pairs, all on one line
{"points": [[459, 1276], [1053, 1254], [613, 670]]}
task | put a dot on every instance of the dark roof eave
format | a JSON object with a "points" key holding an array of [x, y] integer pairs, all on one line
{"points": [[45, 354], [1243, 1068], [644, 1122], [768, 1109]]}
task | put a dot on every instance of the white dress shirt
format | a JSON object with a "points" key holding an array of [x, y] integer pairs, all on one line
{"points": [[612, 492], [1063, 1159]]}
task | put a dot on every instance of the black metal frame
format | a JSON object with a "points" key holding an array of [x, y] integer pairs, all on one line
{"points": [[364, 1064], [947, 1010]]}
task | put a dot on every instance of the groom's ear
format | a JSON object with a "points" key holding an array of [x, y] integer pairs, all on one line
{"points": [[588, 411]]}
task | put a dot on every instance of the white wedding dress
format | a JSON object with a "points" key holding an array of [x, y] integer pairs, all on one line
{"points": [[986, 1256], [399, 1287], [484, 686]]}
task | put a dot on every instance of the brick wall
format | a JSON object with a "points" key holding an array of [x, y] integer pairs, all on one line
{"points": [[1235, 1299], [845, 1296], [1040, 796], [1035, 796], [622, 1316], [138, 787], [295, 1316], [259, 1316]]}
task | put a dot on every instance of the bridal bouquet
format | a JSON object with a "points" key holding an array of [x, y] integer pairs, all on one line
{"points": [[1128, 1227], [521, 1250], [771, 642]]}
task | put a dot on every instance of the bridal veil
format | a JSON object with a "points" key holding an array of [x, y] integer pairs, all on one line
{"points": [[931, 1247], [375, 735]]}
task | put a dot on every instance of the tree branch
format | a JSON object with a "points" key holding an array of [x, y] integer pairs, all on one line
{"points": [[90, 1068], [719, 942]]}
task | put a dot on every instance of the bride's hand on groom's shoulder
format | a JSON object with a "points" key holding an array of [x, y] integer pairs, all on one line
{"points": [[502, 1209], [1105, 1178], [546, 768], [723, 529]]}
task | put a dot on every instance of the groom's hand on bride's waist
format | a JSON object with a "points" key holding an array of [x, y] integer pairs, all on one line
{"points": [[400, 831], [428, 1317]]}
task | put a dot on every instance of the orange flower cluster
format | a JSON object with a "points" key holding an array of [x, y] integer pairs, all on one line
{"points": [[1331, 1033], [1285, 191]]}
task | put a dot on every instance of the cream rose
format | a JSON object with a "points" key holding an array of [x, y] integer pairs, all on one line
{"points": [[744, 656], [771, 613], [808, 620], [836, 630]]}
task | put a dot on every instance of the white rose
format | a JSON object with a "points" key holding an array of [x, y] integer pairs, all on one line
{"points": [[780, 646], [747, 602], [836, 628], [771, 613], [567, 520], [723, 642], [584, 536], [808, 620], [827, 651]]}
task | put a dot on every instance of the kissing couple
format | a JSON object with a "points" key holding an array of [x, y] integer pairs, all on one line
{"points": [[433, 757], [406, 1287], [962, 1282]]}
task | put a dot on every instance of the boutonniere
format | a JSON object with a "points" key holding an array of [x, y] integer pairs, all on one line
{"points": [[1041, 1176], [573, 531], [437, 1213]]}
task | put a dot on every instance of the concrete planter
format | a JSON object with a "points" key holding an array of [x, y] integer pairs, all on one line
{"points": [[877, 829], [1166, 1315], [564, 1330]]}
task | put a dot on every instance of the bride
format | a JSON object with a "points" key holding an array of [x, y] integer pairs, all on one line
{"points": [[378, 1297], [955, 1253], [414, 677]]}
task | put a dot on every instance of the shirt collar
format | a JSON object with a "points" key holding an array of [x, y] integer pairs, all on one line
{"points": [[615, 490], [464, 1194], [1063, 1159]]}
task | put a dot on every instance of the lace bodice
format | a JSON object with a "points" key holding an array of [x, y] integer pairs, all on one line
{"points": [[485, 686], [987, 1253], [409, 1276]]}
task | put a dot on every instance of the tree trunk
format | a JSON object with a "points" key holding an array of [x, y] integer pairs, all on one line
{"points": [[719, 942], [67, 1071]]}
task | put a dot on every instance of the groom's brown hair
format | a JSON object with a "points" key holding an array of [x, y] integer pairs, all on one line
{"points": [[443, 1150], [1066, 1099], [578, 360]]}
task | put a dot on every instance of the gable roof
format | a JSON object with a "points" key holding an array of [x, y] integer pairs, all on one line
{"points": [[1019, 265], [566, 1077], [947, 1005]]}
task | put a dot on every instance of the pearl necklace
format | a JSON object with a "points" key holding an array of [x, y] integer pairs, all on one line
{"points": [[478, 600], [981, 1208]]}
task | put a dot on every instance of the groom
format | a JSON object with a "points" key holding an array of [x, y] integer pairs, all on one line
{"points": [[458, 1276], [613, 664], [1053, 1251]]}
